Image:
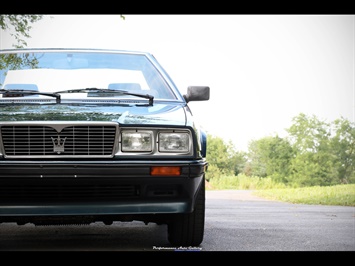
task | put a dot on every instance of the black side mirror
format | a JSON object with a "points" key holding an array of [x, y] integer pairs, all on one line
{"points": [[197, 93]]}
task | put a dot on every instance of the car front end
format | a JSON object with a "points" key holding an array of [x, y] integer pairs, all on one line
{"points": [[92, 135]]}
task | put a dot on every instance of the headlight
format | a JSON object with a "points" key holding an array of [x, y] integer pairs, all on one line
{"points": [[137, 141], [155, 142], [174, 142]]}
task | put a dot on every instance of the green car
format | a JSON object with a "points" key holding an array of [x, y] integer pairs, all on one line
{"points": [[90, 135]]}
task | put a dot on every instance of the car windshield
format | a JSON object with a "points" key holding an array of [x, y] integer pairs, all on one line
{"points": [[61, 70]]}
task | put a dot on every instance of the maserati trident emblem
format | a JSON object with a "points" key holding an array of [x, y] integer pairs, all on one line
{"points": [[58, 144]]}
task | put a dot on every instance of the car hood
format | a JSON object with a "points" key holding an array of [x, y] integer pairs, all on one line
{"points": [[158, 114]]}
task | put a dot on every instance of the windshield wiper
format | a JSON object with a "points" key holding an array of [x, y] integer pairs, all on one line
{"points": [[97, 90], [19, 93]]}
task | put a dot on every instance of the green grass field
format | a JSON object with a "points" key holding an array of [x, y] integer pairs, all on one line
{"points": [[342, 195]]}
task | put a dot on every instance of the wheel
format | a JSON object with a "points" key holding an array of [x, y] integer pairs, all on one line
{"points": [[187, 229]]}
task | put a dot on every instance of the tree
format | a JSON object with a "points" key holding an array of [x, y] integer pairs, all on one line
{"points": [[342, 146], [270, 157], [307, 133], [312, 164], [325, 152], [20, 26], [238, 162], [314, 153], [222, 158], [217, 153]]}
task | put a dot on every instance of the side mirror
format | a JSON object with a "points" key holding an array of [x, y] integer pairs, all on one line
{"points": [[197, 93]]}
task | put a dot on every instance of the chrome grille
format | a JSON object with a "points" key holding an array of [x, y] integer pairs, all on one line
{"points": [[72, 141]]}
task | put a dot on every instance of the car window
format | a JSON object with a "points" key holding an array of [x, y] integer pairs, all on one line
{"points": [[58, 71]]}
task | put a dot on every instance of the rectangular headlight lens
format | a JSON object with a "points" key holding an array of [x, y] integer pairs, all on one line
{"points": [[137, 141], [174, 142]]}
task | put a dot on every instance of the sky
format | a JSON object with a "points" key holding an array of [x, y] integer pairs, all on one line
{"points": [[262, 70]]}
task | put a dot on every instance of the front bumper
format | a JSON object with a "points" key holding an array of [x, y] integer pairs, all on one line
{"points": [[108, 187]]}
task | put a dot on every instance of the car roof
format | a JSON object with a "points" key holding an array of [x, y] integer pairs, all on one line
{"points": [[18, 50]]}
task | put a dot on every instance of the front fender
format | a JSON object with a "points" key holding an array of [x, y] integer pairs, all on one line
{"points": [[203, 140]]}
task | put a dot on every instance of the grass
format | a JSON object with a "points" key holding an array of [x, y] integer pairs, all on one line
{"points": [[342, 195]]}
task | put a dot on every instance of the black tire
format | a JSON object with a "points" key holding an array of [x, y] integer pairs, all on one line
{"points": [[187, 229]]}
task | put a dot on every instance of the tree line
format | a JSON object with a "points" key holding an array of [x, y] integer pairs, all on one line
{"points": [[314, 153]]}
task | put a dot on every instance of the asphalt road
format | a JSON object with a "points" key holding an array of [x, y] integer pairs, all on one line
{"points": [[235, 221]]}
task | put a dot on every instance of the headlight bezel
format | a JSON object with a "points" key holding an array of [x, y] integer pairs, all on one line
{"points": [[173, 137], [159, 136], [131, 139]]}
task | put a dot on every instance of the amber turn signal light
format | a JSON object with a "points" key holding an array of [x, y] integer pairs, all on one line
{"points": [[165, 170]]}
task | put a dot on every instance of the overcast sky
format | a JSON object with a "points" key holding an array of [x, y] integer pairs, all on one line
{"points": [[262, 70]]}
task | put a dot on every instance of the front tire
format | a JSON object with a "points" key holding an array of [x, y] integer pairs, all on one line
{"points": [[187, 229]]}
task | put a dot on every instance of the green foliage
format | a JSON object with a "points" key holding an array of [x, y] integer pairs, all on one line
{"points": [[257, 158], [343, 195], [324, 152], [342, 146], [315, 153], [223, 156], [213, 172], [270, 156], [308, 133], [19, 26], [243, 181], [14, 61]]}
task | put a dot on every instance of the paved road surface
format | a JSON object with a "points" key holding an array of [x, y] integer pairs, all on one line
{"points": [[235, 221]]}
